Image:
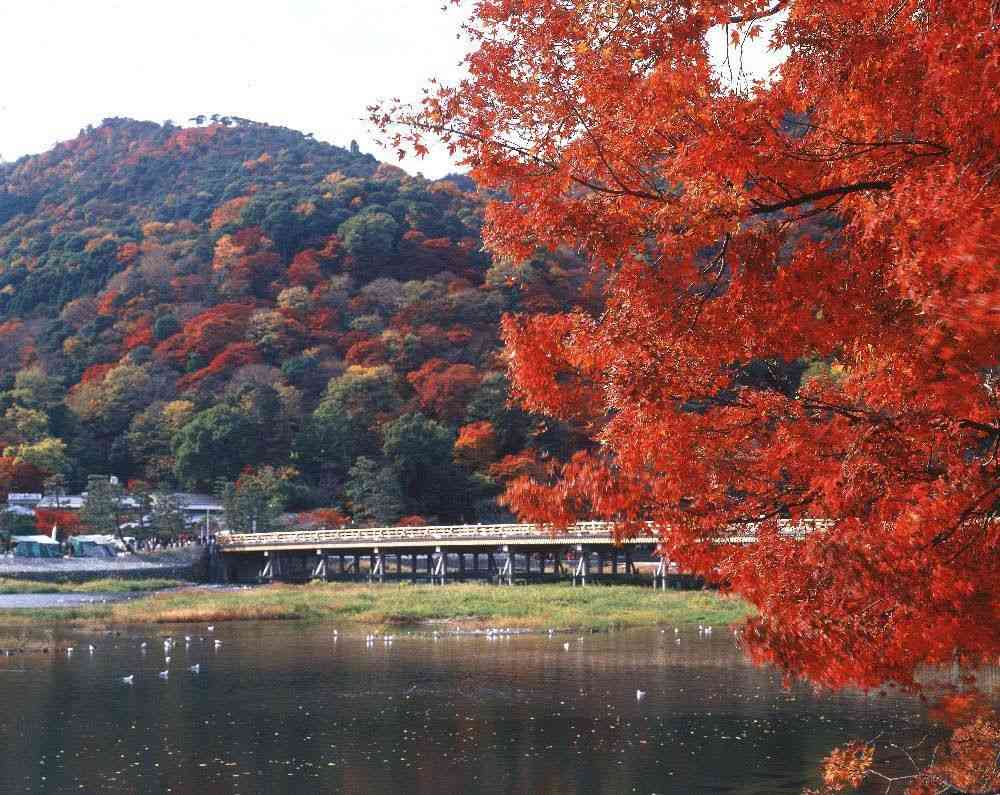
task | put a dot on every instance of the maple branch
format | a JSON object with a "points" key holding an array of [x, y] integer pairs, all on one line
{"points": [[805, 198], [740, 19], [553, 165], [989, 430], [944, 535]]}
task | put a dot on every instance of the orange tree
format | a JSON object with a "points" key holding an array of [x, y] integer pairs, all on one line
{"points": [[802, 298]]}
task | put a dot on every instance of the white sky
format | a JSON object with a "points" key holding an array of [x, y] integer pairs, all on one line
{"points": [[312, 65]]}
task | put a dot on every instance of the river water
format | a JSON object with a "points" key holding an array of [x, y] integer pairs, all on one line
{"points": [[288, 708]]}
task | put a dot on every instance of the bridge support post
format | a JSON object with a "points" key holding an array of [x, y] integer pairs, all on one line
{"points": [[377, 566], [319, 573], [413, 566], [660, 573], [440, 566], [461, 565], [506, 575], [629, 565], [582, 566], [267, 571]]}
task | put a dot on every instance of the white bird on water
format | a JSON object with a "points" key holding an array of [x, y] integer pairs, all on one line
{"points": [[566, 646], [91, 648], [210, 627], [128, 679], [69, 650], [166, 660], [143, 645], [164, 674], [640, 695], [195, 669], [218, 644]]}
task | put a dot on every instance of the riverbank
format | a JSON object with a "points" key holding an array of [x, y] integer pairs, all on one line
{"points": [[105, 585], [459, 606]]}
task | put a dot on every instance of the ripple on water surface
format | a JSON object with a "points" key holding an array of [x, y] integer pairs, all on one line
{"points": [[286, 708]]}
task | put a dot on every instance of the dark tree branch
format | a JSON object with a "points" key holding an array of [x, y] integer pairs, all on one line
{"points": [[806, 198], [739, 19]]}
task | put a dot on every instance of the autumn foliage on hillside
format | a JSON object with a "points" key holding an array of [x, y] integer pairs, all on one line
{"points": [[183, 305], [801, 326]]}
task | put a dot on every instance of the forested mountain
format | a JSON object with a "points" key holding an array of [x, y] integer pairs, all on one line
{"points": [[184, 305]]}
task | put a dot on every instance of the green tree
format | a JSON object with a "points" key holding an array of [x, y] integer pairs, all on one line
{"points": [[374, 495], [54, 488], [217, 442], [490, 402], [167, 515], [370, 238], [49, 454], [165, 326], [104, 509], [141, 492], [15, 524], [345, 423], [34, 388], [421, 452], [25, 425], [254, 503]]}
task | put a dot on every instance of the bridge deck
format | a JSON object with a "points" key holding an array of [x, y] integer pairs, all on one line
{"points": [[452, 536]]}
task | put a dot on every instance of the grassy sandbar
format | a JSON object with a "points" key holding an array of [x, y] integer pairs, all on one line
{"points": [[466, 605]]}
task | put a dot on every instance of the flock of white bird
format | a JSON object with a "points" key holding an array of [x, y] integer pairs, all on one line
{"points": [[491, 633], [168, 645]]}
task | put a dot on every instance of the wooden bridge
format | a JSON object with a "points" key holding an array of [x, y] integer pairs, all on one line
{"points": [[501, 553]]}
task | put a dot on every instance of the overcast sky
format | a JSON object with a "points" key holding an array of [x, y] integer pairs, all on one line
{"points": [[312, 65]]}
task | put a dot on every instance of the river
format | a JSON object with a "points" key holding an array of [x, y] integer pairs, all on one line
{"points": [[281, 707]]}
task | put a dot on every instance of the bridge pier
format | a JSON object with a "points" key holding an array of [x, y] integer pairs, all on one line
{"points": [[660, 574], [319, 572], [376, 568], [582, 566]]}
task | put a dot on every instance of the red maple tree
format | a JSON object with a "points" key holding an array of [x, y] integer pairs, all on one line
{"points": [[68, 522], [443, 388], [800, 336]]}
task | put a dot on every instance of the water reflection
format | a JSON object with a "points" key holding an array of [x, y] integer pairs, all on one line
{"points": [[283, 708]]}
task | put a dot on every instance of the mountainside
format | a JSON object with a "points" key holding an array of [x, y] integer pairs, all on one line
{"points": [[183, 305]]}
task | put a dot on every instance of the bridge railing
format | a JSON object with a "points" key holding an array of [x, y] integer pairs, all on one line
{"points": [[374, 535], [595, 531]]}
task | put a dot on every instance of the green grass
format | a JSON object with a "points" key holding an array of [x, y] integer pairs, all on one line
{"points": [[460, 605], [106, 585]]}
